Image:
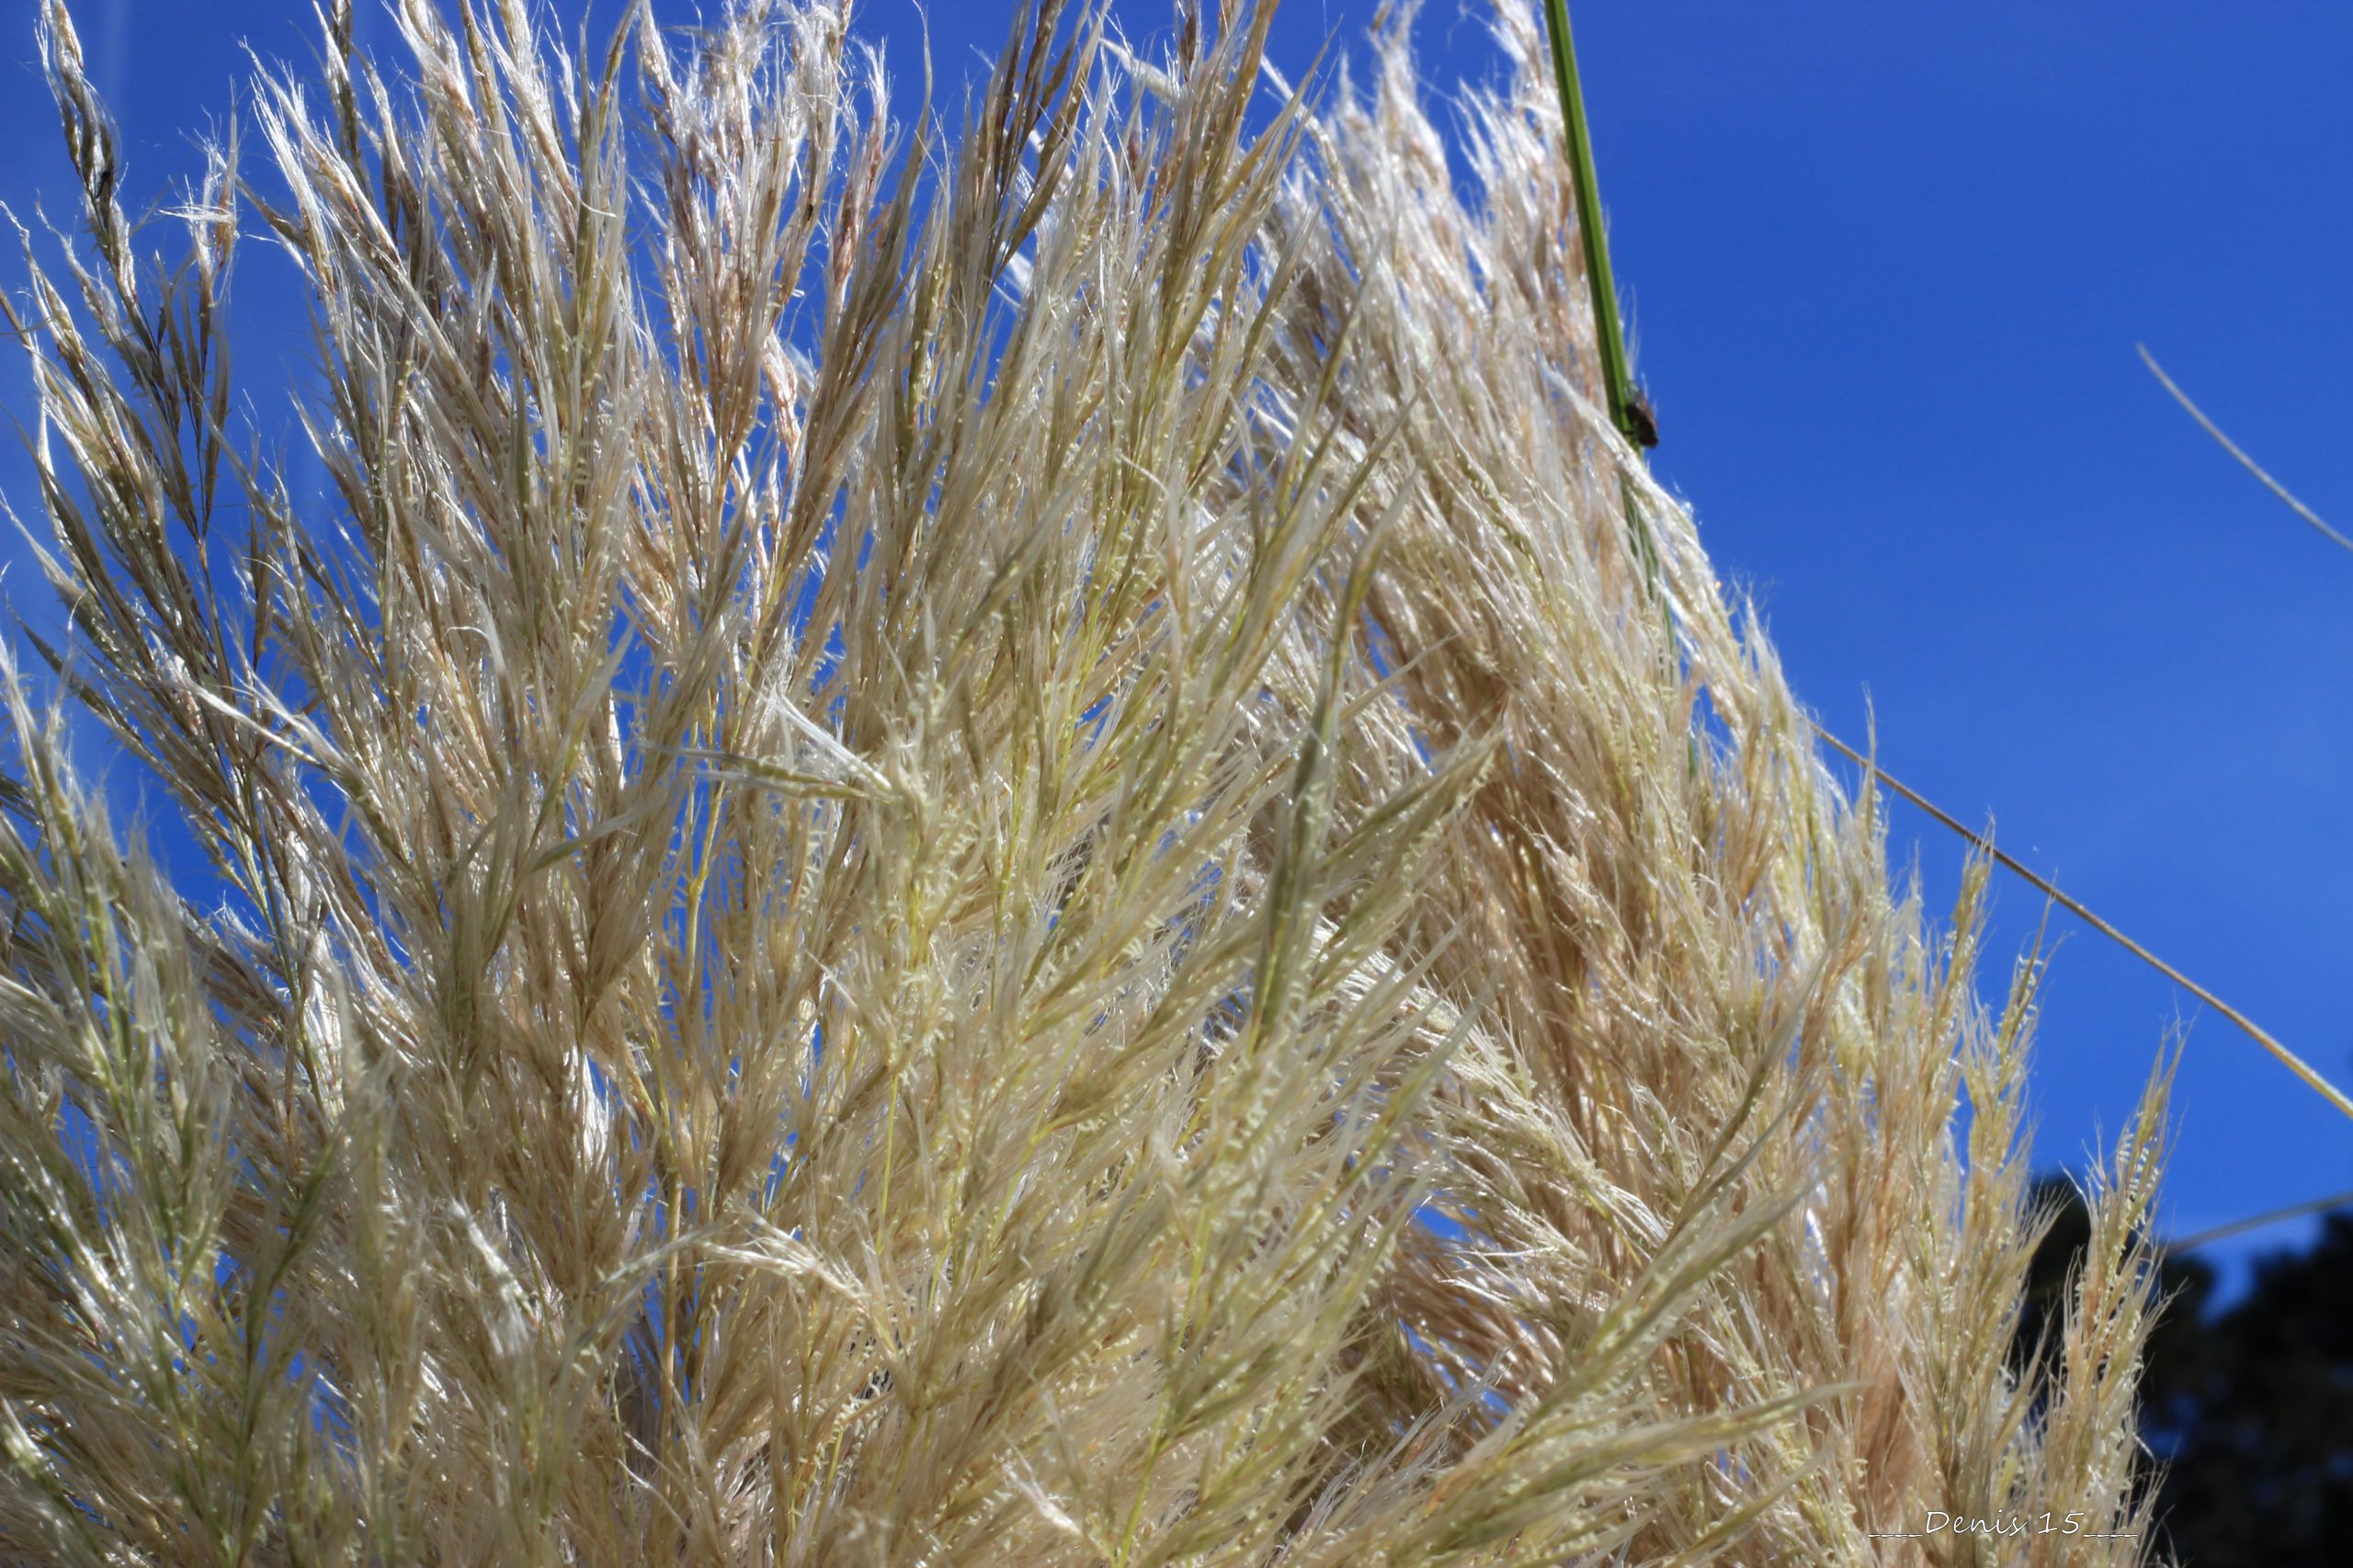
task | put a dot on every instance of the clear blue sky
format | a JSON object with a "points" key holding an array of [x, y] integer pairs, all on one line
{"points": [[1886, 263]]}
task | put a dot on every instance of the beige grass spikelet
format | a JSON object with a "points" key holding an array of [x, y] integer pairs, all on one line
{"points": [[904, 810]]}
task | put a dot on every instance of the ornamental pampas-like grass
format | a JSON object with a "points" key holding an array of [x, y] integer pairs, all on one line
{"points": [[977, 855]]}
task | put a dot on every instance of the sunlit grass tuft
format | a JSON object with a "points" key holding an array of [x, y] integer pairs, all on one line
{"points": [[1006, 867]]}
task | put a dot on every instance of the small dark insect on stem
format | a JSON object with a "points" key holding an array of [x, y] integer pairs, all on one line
{"points": [[1629, 411], [1641, 424]]}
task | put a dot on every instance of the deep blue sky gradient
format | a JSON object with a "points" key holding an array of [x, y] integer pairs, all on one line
{"points": [[1886, 263]]}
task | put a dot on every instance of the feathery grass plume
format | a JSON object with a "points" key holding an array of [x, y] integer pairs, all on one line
{"points": [[985, 855]]}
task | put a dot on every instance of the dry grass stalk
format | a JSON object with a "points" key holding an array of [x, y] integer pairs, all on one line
{"points": [[852, 922]]}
